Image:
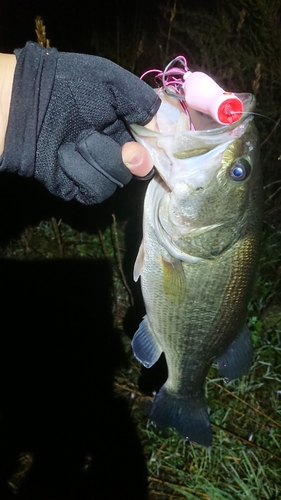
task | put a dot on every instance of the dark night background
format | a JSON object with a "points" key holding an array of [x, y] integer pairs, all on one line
{"points": [[59, 350], [79, 26], [58, 346]]}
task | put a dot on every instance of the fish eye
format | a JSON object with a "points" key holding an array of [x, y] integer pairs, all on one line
{"points": [[240, 169]]}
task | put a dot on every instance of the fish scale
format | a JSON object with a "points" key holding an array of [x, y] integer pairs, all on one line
{"points": [[189, 315], [197, 264]]}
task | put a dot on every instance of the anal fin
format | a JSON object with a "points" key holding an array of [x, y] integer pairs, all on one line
{"points": [[237, 359]]}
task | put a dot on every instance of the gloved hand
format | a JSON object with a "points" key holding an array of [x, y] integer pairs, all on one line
{"points": [[69, 117]]}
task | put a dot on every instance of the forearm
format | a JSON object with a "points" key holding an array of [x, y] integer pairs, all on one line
{"points": [[61, 100], [7, 69]]}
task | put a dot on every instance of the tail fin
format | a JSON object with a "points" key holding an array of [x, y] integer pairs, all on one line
{"points": [[189, 416]]}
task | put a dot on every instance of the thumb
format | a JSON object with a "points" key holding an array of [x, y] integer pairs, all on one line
{"points": [[137, 159]]}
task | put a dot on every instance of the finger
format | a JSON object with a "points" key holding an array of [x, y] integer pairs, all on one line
{"points": [[137, 159]]}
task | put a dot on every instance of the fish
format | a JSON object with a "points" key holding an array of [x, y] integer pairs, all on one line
{"points": [[198, 258]]}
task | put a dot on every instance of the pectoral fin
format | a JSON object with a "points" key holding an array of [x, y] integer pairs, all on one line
{"points": [[238, 358], [145, 347], [174, 280]]}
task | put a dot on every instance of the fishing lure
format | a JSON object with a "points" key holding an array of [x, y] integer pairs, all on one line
{"points": [[198, 91]]}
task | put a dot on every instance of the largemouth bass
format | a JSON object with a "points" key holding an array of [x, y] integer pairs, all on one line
{"points": [[198, 258]]}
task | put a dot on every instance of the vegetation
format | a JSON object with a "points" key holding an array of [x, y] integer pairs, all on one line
{"points": [[245, 460], [239, 44]]}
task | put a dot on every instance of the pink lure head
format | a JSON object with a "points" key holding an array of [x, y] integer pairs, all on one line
{"points": [[204, 94]]}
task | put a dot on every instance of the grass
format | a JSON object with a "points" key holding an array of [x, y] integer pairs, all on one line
{"points": [[245, 459]]}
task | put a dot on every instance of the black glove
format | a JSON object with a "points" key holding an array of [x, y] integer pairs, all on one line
{"points": [[68, 120]]}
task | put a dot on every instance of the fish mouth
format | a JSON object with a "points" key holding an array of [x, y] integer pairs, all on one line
{"points": [[189, 155]]}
